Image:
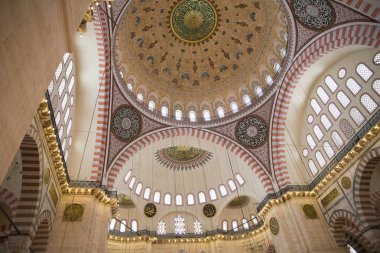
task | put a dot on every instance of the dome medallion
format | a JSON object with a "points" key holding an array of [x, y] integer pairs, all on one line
{"points": [[193, 21]]}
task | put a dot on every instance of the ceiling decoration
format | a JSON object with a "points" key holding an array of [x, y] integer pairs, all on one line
{"points": [[193, 54], [193, 21], [150, 210], [209, 210], [238, 202], [126, 123], [182, 157], [314, 14], [252, 132]]}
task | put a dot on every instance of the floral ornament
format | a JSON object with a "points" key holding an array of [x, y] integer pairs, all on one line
{"points": [[251, 132], [126, 123], [315, 14]]}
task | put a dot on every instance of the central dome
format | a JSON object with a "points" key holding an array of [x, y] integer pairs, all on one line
{"points": [[193, 20], [197, 55]]}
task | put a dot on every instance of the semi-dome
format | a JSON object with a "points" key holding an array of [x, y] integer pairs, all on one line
{"points": [[197, 61]]}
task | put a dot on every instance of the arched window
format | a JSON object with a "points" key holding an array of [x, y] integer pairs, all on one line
{"points": [[220, 111], [328, 149], [123, 226], [129, 86], [71, 84], [321, 160], [318, 132], [61, 87], [311, 141], [223, 190], [326, 122], [334, 111], [138, 188], [190, 199], [239, 179], [65, 57], [112, 224], [140, 97], [259, 91], [376, 86], [353, 86], [207, 115], [60, 133], [330, 82], [67, 114], [245, 224], [58, 71], [168, 199], [69, 125], [315, 105], [232, 185], [313, 168], [58, 118], [247, 100], [357, 116], [364, 72], [152, 105], [269, 80], [134, 226], [179, 225], [126, 178], [161, 228], [225, 226], [63, 144], [192, 116], [50, 87], [343, 99], [277, 67], [202, 197], [337, 139], [235, 226], [213, 195], [234, 107], [64, 101], [157, 197], [368, 103], [132, 183], [164, 111], [69, 69], [323, 95], [178, 200], [178, 114], [147, 193]]}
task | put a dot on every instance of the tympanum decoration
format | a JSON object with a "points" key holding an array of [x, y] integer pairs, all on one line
{"points": [[182, 157]]}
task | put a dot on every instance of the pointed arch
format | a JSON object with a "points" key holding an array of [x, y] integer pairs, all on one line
{"points": [[129, 151], [362, 195], [343, 36]]}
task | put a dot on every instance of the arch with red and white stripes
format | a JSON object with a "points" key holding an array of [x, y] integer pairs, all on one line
{"points": [[203, 134], [343, 224], [43, 227], [31, 185], [361, 187], [363, 7], [350, 34], [11, 201], [103, 45]]}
